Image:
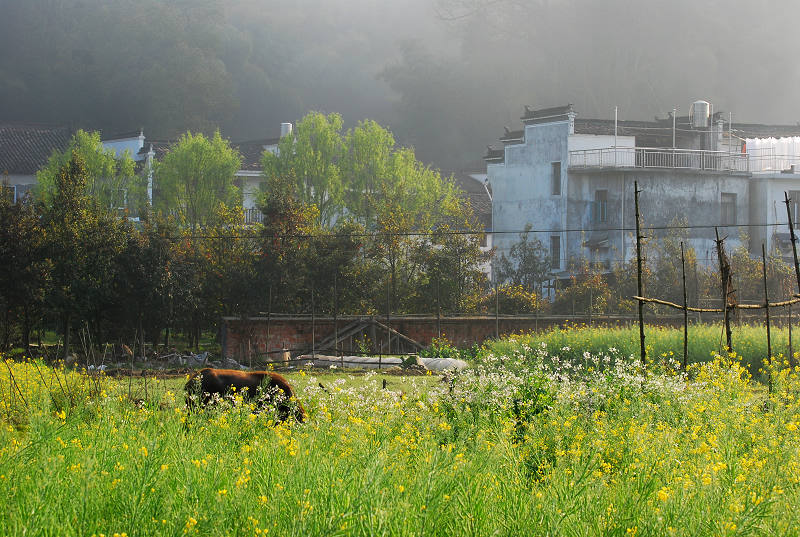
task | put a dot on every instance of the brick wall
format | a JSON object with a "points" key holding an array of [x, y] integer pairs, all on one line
{"points": [[297, 333]]}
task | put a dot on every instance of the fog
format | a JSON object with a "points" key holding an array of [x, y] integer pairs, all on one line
{"points": [[444, 75]]}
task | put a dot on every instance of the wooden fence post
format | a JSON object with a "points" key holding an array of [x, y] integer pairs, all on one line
{"points": [[639, 272]]}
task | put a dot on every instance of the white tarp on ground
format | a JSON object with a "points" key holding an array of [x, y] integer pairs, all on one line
{"points": [[443, 364], [375, 362]]}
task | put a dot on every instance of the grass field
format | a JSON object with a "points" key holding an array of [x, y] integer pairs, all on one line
{"points": [[525, 442], [749, 342]]}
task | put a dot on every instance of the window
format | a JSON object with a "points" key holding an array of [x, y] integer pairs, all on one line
{"points": [[555, 252], [601, 206], [555, 178], [728, 212]]}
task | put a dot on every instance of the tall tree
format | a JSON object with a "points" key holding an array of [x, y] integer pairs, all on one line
{"points": [[24, 271], [110, 180], [312, 156], [195, 177], [81, 242]]}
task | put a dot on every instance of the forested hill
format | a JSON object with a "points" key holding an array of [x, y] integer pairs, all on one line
{"points": [[444, 75]]}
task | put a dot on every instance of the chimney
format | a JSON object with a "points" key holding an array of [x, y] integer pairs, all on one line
{"points": [[286, 129]]}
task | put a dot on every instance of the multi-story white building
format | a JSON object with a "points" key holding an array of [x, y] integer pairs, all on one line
{"points": [[572, 180]]}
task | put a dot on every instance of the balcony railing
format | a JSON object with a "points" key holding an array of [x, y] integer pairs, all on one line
{"points": [[253, 216], [649, 157]]}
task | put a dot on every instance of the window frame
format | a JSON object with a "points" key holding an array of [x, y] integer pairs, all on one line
{"points": [[555, 178], [555, 252]]}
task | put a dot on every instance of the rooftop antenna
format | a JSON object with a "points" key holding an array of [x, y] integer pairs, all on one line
{"points": [[674, 113], [615, 136]]}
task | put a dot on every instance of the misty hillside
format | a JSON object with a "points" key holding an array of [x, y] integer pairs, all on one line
{"points": [[445, 76]]}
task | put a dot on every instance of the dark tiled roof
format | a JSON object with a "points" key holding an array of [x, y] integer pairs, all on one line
{"points": [[756, 130], [475, 193], [160, 148], [512, 136], [555, 113], [121, 135], [25, 148], [494, 155], [252, 150]]}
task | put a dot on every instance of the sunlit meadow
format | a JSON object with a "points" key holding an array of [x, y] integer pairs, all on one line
{"points": [[523, 443]]}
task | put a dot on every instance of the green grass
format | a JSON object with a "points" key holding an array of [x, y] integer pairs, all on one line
{"points": [[499, 451], [749, 342]]}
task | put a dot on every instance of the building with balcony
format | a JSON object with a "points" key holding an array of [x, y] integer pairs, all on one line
{"points": [[572, 180]]}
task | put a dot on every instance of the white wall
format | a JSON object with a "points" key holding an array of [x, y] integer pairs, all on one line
{"points": [[132, 144]]}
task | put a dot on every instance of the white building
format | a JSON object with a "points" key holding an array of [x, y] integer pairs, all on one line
{"points": [[572, 180]]}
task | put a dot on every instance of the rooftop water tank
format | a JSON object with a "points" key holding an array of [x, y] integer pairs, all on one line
{"points": [[699, 114]]}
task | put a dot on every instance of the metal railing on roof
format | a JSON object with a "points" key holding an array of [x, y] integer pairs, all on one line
{"points": [[652, 157]]}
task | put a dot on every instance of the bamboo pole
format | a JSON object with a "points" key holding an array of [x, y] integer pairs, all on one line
{"points": [[496, 312], [793, 237], [639, 288], [335, 314], [766, 309], [685, 312], [715, 310], [313, 326], [725, 276], [269, 318], [438, 308]]}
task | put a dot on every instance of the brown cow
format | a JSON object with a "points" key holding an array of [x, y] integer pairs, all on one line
{"points": [[263, 385]]}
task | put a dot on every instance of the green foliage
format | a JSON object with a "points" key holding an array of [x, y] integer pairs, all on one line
{"points": [[588, 290], [81, 240], [527, 264], [312, 157], [663, 343], [440, 348], [110, 181], [24, 271], [195, 177], [610, 448]]}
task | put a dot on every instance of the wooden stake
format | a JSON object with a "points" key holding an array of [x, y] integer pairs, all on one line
{"points": [[438, 308], [766, 309], [269, 315], [642, 349], [335, 314], [725, 275], [791, 350], [685, 312], [313, 326], [496, 312]]}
